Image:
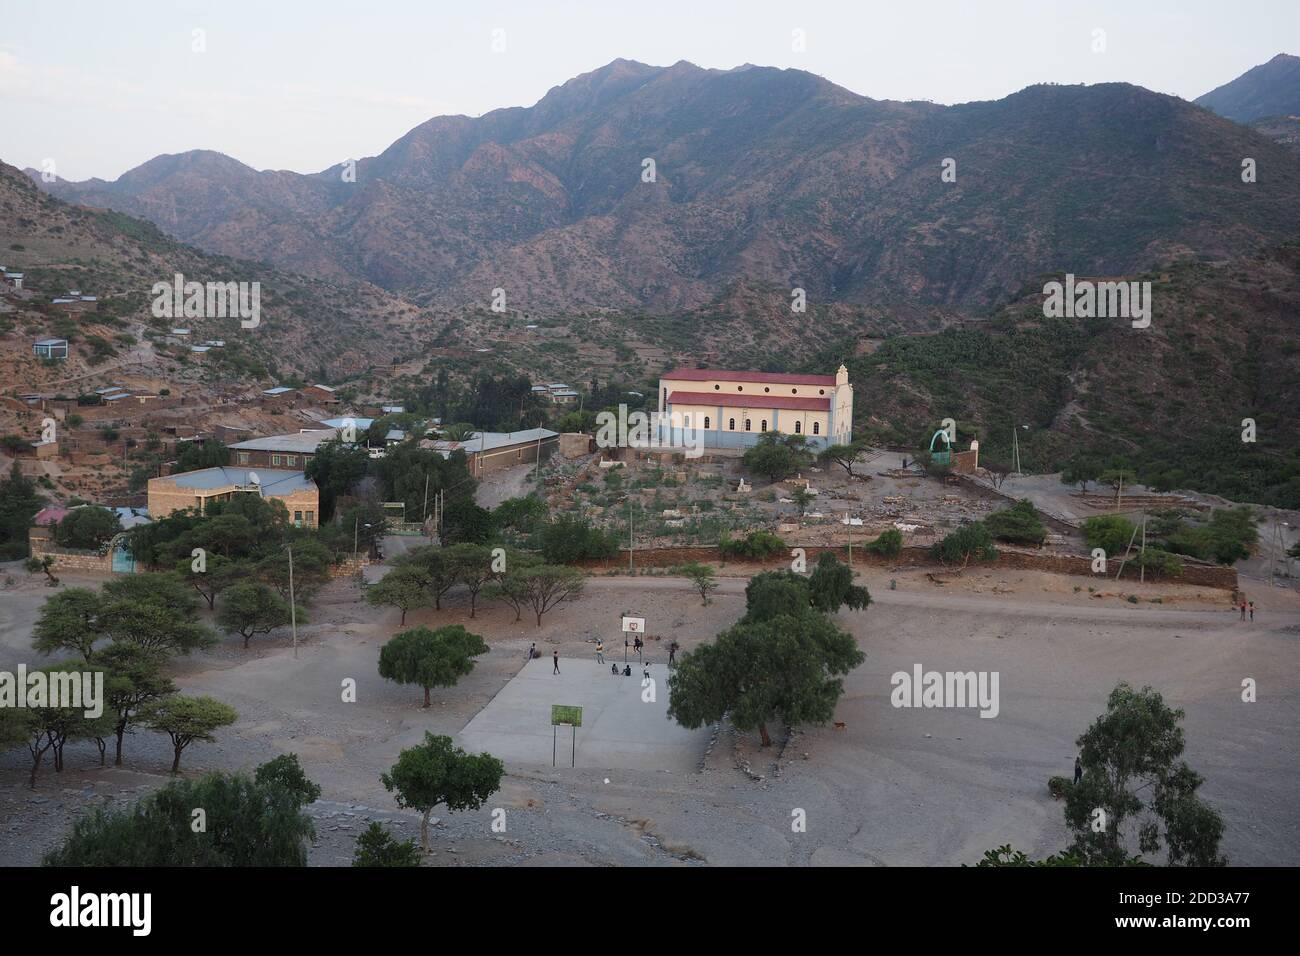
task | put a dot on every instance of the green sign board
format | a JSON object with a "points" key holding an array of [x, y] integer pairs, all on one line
{"points": [[566, 714]]}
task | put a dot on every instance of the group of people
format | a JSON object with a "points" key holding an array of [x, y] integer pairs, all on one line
{"points": [[1247, 606], [600, 657]]}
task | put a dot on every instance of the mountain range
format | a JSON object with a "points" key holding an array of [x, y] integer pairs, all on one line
{"points": [[762, 176]]}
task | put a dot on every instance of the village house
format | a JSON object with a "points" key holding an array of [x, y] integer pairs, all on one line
{"points": [[198, 489], [321, 394], [291, 450], [51, 348], [74, 301], [731, 409], [487, 452]]}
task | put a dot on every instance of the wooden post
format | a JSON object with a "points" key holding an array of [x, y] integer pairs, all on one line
{"points": [[293, 611]]}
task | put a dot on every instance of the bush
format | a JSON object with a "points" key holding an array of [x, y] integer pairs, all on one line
{"points": [[1057, 786], [1018, 524], [969, 541], [1162, 562], [755, 546], [571, 539], [888, 545], [87, 528], [1111, 533]]}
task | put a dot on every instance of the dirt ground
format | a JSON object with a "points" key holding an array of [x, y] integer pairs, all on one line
{"points": [[891, 787]]}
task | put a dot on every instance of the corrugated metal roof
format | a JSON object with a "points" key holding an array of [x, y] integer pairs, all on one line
{"points": [[294, 443], [273, 481]]}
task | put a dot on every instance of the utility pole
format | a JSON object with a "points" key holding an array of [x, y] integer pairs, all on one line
{"points": [[356, 526], [1142, 552], [424, 511], [293, 609], [848, 518], [629, 534], [1015, 448]]}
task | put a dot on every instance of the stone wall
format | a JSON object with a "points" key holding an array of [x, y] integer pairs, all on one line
{"points": [[1223, 578], [40, 542]]}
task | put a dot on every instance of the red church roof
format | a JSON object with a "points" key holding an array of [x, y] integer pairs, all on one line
{"points": [[755, 401], [771, 378]]}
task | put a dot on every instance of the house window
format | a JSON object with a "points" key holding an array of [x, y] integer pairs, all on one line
{"points": [[746, 424], [817, 428], [243, 458], [686, 421], [798, 427], [731, 424], [706, 422], [275, 459], [297, 518], [311, 519], [763, 425], [291, 460]]}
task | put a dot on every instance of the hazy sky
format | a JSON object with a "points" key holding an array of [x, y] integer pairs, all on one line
{"points": [[100, 86]]}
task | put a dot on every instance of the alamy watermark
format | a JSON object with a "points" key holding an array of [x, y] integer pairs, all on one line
{"points": [[78, 690], [179, 299], [946, 689], [636, 430], [1103, 300]]}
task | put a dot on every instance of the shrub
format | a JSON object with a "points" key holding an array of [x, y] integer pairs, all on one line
{"points": [[1057, 786], [1160, 561], [755, 546], [1111, 533], [969, 541], [888, 545], [1018, 524], [566, 540]]}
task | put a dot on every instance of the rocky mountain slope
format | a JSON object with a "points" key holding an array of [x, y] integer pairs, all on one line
{"points": [[775, 177]]}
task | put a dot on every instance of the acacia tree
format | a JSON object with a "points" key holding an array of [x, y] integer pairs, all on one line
{"points": [[843, 455], [438, 569], [1135, 786], [784, 668], [248, 609], [187, 719], [549, 585], [134, 678], [831, 585], [471, 565], [430, 658], [436, 772], [509, 585], [70, 620], [702, 577], [405, 588]]}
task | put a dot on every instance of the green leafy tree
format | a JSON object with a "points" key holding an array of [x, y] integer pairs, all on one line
{"points": [[1081, 471], [520, 515], [87, 528], [755, 546], [843, 455], [405, 588], [376, 847], [1144, 792], [245, 823], [1111, 533], [566, 540], [248, 609], [430, 658], [70, 620], [509, 586], [702, 578], [831, 586], [472, 567], [186, 719], [286, 772], [1018, 524], [776, 456], [19, 503], [786, 668], [193, 456], [132, 680], [546, 586], [435, 772], [465, 522], [437, 567], [802, 499], [969, 541], [336, 468], [888, 545]]}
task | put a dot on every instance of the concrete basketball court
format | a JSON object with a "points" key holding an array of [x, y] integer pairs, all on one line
{"points": [[619, 730]]}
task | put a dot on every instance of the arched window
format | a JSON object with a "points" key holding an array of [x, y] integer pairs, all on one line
{"points": [[706, 422], [746, 424], [762, 426], [798, 427], [817, 428], [731, 424]]}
